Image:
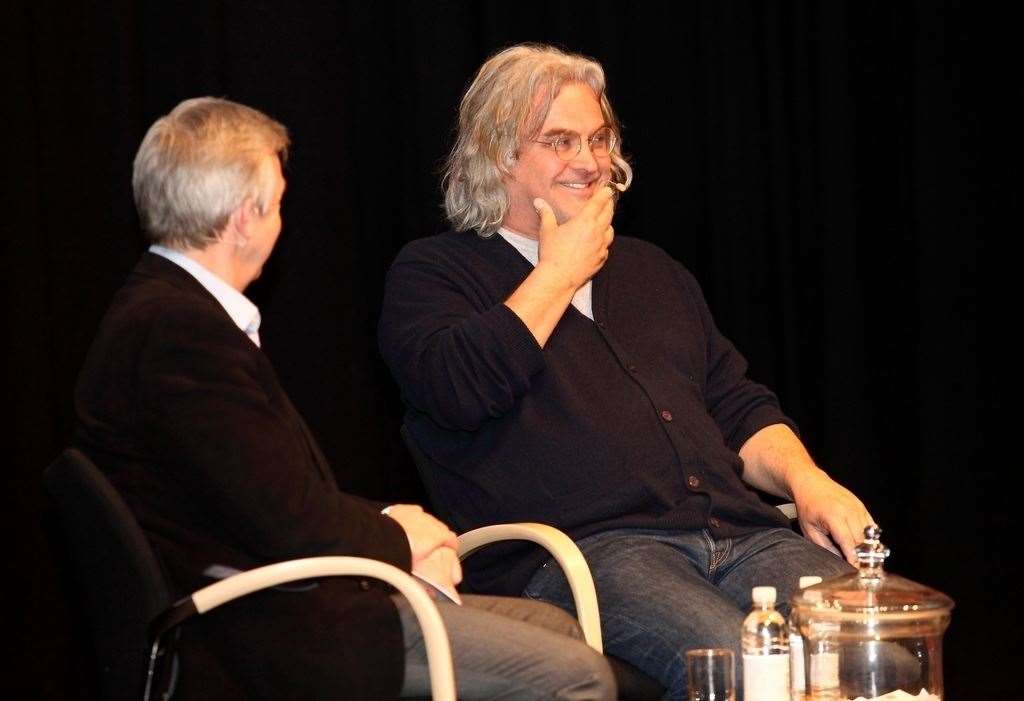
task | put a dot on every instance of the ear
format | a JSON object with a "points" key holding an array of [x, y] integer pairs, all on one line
{"points": [[240, 222], [509, 162]]}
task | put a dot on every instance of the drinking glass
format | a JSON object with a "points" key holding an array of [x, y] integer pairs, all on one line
{"points": [[711, 673]]}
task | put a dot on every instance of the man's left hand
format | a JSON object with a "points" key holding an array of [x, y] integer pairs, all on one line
{"points": [[829, 513], [775, 461]]}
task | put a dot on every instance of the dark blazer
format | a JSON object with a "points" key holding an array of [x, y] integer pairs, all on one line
{"points": [[187, 418]]}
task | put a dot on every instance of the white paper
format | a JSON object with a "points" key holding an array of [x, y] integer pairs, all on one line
{"points": [[900, 695], [447, 592]]}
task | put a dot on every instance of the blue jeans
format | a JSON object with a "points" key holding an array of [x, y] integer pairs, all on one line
{"points": [[662, 593]]}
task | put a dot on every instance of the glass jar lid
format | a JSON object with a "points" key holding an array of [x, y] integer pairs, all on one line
{"points": [[873, 593]]}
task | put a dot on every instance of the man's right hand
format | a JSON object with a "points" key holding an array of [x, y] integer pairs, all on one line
{"points": [[569, 254], [442, 570], [425, 533], [577, 248]]}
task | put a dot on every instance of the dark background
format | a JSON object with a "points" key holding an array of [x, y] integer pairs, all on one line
{"points": [[816, 164]]}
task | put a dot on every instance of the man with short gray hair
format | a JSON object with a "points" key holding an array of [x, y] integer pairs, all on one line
{"points": [[180, 408], [555, 372]]}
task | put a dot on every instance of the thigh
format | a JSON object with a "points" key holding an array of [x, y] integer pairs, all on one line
{"points": [[775, 557], [655, 604], [537, 613], [506, 648]]}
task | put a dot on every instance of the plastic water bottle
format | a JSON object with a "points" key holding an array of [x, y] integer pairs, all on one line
{"points": [[797, 682], [765, 650]]}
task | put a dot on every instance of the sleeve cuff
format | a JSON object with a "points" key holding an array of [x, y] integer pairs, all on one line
{"points": [[760, 417], [518, 339]]}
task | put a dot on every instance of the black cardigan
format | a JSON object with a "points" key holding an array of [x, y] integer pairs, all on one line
{"points": [[631, 420]]}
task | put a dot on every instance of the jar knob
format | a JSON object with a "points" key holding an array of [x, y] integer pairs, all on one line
{"points": [[871, 552]]}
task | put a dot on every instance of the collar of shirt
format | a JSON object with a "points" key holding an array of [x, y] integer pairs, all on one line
{"points": [[530, 250], [243, 312]]}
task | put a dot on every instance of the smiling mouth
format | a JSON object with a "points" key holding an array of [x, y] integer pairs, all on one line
{"points": [[577, 186]]}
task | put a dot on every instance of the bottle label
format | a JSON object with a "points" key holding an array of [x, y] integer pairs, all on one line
{"points": [[796, 663], [766, 677], [824, 671]]}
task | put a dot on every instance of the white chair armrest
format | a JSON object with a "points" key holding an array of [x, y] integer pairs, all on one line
{"points": [[439, 656], [565, 553]]}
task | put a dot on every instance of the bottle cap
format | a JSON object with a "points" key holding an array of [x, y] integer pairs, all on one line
{"points": [[763, 595], [809, 581]]}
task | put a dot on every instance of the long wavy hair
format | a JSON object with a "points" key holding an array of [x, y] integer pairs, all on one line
{"points": [[504, 107]]}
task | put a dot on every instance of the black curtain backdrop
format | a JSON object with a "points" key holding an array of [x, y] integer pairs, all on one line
{"points": [[816, 164]]}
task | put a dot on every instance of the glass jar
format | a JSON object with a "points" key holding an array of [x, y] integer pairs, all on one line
{"points": [[872, 635]]}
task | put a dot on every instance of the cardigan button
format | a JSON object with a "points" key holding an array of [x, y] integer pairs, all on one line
{"points": [[693, 481], [631, 368], [666, 415]]}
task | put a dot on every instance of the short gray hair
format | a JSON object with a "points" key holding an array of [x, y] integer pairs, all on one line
{"points": [[504, 107], [197, 165]]}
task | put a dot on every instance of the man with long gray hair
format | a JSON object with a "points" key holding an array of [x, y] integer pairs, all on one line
{"points": [[551, 374], [183, 411]]}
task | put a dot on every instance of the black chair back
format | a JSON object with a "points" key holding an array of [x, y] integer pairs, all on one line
{"points": [[121, 583]]}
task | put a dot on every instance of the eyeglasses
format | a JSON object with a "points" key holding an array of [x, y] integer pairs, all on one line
{"points": [[567, 146]]}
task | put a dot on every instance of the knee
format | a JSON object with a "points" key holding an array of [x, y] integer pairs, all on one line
{"points": [[555, 619], [592, 677]]}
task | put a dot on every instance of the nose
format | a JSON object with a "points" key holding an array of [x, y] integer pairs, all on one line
{"points": [[585, 158]]}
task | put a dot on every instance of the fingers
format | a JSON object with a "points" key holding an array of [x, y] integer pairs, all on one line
{"points": [[604, 216], [816, 536], [850, 532], [446, 536], [844, 538], [604, 202], [607, 237], [440, 568], [603, 194], [599, 210], [451, 559], [832, 516], [846, 530], [425, 532], [548, 223]]}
